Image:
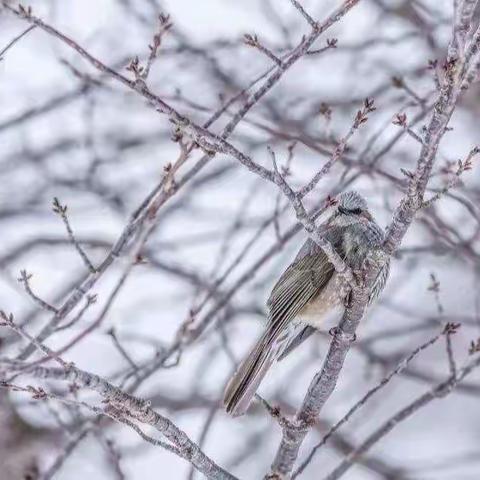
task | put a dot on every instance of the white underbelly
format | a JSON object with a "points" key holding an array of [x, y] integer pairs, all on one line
{"points": [[326, 307]]}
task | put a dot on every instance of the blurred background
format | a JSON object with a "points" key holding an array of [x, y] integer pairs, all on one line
{"points": [[219, 243]]}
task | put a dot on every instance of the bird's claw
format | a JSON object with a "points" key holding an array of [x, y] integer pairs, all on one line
{"points": [[347, 299], [337, 332]]}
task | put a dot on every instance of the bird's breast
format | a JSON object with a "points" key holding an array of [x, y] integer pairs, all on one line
{"points": [[325, 303]]}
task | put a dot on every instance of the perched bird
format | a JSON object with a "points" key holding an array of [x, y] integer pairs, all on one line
{"points": [[307, 292]]}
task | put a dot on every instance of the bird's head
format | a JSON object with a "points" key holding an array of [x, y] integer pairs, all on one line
{"points": [[350, 208]]}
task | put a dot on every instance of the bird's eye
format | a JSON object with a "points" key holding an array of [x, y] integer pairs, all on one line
{"points": [[348, 211]]}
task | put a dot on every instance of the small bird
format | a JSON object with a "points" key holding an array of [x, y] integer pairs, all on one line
{"points": [[308, 291]]}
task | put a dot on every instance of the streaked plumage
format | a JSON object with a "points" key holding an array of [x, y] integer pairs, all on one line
{"points": [[307, 290]]}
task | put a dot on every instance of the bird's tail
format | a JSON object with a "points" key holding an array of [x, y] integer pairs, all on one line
{"points": [[242, 386]]}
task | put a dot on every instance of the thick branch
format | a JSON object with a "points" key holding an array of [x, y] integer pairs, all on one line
{"points": [[139, 410]]}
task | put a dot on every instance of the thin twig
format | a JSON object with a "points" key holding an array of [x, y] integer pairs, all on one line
{"points": [[252, 41], [89, 301], [15, 40], [67, 450], [61, 210], [25, 280], [360, 118], [304, 13], [454, 180], [122, 351], [8, 321]]}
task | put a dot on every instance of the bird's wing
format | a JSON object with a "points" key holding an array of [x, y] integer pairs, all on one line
{"points": [[299, 284]]}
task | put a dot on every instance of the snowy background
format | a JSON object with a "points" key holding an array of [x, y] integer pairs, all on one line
{"points": [[100, 149]]}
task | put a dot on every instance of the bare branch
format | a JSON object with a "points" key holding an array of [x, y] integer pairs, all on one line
{"points": [[439, 391], [383, 382], [462, 166], [14, 41], [305, 15], [8, 321], [25, 280], [139, 410], [360, 118], [331, 43], [67, 450], [252, 41], [61, 210], [89, 301]]}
